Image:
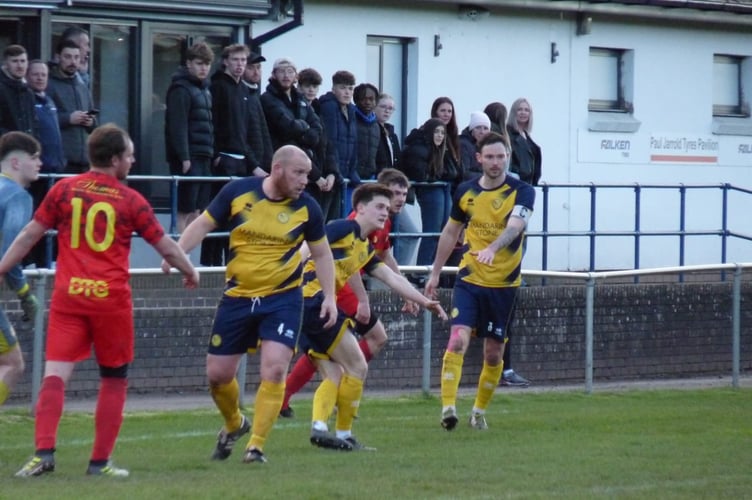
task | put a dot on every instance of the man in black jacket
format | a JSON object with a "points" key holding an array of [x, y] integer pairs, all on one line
{"points": [[233, 154], [16, 98], [189, 131]]}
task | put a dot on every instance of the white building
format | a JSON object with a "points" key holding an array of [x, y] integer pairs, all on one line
{"points": [[654, 92], [670, 85]]}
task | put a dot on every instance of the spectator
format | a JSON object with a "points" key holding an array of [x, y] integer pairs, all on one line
{"points": [[476, 130], [424, 160], [527, 159], [81, 37], [189, 132], [365, 96], [291, 119], [388, 156], [258, 135], [53, 157], [75, 111], [233, 155], [324, 176], [16, 99], [443, 109], [497, 113], [338, 115], [252, 73]]}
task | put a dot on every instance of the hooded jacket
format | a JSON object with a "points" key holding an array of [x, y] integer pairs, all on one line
{"points": [[189, 131]]}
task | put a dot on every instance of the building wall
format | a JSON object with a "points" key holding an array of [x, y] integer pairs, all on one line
{"points": [[644, 331], [507, 54]]}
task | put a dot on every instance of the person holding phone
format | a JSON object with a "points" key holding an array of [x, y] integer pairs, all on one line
{"points": [[75, 110]]}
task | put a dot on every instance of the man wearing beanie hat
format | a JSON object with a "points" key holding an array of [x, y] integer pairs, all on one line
{"points": [[477, 129]]}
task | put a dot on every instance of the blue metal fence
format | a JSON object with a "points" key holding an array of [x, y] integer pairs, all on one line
{"points": [[547, 234]]}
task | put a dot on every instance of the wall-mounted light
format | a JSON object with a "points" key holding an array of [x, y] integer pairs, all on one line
{"points": [[584, 24], [437, 45], [554, 52], [472, 12]]}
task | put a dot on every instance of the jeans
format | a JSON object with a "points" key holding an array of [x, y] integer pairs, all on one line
{"points": [[407, 221], [435, 204]]}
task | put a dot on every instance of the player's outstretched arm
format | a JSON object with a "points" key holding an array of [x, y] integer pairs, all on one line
{"points": [[176, 257], [192, 236], [363, 313], [399, 284]]}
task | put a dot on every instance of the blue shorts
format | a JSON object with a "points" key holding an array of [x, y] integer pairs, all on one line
{"points": [[240, 323], [488, 311], [7, 335], [315, 340]]}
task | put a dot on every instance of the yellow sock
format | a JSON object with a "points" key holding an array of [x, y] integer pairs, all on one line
{"points": [[269, 399], [489, 379], [451, 373], [324, 400], [4, 391], [227, 399], [348, 400]]}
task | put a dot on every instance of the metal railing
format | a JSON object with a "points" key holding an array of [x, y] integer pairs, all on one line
{"points": [[546, 234]]}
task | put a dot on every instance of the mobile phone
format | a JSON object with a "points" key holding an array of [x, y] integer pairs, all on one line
{"points": [[92, 112]]}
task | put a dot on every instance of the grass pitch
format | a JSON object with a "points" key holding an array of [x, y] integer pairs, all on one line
{"points": [[636, 444]]}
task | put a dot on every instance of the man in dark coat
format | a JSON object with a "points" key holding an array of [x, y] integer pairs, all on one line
{"points": [[189, 132]]}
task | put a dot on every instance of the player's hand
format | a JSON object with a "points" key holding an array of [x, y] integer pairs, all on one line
{"points": [[29, 305], [186, 166], [435, 307], [410, 307], [363, 312], [432, 283], [329, 311], [485, 256], [166, 267], [191, 280]]}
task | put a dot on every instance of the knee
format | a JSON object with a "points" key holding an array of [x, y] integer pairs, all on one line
{"points": [[218, 374], [113, 372]]}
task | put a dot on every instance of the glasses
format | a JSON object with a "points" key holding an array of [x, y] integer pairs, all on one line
{"points": [[385, 107], [286, 71]]}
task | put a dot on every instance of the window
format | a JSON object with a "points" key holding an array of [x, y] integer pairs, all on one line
{"points": [[727, 86], [387, 59], [607, 80], [611, 91]]}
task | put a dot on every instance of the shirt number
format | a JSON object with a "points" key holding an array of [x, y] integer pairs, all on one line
{"points": [[100, 207]]}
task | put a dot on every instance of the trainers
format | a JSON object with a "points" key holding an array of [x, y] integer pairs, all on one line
{"points": [[287, 412], [357, 445], [513, 379], [324, 439], [478, 421], [254, 455], [36, 466], [107, 469], [226, 440], [449, 418]]}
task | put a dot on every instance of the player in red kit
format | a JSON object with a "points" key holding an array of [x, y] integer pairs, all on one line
{"points": [[95, 215]]}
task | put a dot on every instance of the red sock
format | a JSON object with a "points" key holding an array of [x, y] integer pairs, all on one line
{"points": [[108, 416], [49, 410], [300, 375], [366, 350]]}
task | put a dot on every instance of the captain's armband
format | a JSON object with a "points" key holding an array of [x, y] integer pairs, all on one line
{"points": [[523, 213]]}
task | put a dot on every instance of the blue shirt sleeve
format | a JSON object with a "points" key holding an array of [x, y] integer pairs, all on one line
{"points": [[17, 215]]}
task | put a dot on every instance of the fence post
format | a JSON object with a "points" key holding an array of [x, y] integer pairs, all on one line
{"points": [[426, 381], [40, 287], [589, 295], [736, 327]]}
